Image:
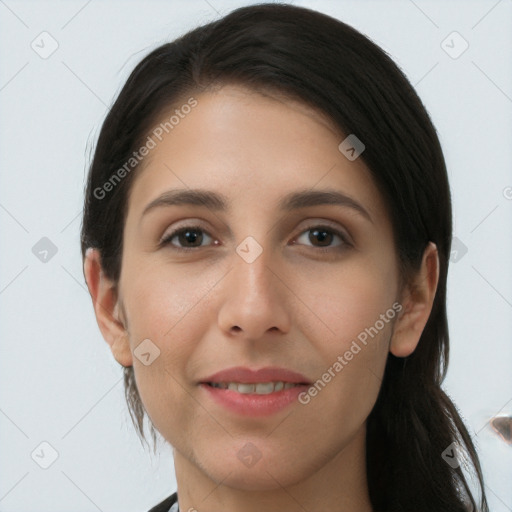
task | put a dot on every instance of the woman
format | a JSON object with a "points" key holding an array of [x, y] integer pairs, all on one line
{"points": [[266, 234]]}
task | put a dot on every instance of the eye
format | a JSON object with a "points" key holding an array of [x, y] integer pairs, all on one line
{"points": [[324, 235], [190, 236]]}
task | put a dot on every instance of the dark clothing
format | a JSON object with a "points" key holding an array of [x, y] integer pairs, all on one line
{"points": [[165, 506]]}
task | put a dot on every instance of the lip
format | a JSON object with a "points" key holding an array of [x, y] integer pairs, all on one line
{"points": [[249, 376], [254, 404]]}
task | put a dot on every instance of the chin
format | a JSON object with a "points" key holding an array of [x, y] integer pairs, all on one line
{"points": [[249, 471]]}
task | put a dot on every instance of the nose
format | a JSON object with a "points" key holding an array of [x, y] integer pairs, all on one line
{"points": [[255, 298]]}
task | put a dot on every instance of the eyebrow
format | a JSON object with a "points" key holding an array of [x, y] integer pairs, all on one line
{"points": [[220, 203]]}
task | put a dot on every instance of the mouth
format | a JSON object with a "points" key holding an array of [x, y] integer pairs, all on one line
{"points": [[264, 378], [260, 388], [247, 392]]}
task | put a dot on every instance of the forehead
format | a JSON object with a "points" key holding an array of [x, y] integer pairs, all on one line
{"points": [[253, 148]]}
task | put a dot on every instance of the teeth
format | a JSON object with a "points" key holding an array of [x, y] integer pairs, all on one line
{"points": [[246, 388], [261, 388], [264, 388]]}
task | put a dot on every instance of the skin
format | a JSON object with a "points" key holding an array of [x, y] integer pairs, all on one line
{"points": [[294, 306]]}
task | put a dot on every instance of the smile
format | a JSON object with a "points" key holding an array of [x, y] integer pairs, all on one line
{"points": [[260, 388]]}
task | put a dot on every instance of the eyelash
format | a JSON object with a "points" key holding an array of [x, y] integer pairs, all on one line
{"points": [[344, 239]]}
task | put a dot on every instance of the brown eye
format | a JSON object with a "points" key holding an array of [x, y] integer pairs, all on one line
{"points": [[189, 237], [323, 237]]}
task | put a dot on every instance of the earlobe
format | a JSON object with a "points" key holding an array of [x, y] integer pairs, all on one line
{"points": [[417, 302], [106, 308]]}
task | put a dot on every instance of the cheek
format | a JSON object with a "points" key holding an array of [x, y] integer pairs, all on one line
{"points": [[355, 306], [348, 299], [166, 308], [159, 297], [354, 361]]}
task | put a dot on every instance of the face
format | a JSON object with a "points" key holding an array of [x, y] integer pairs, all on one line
{"points": [[260, 283]]}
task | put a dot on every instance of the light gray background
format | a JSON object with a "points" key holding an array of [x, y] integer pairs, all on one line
{"points": [[58, 380]]}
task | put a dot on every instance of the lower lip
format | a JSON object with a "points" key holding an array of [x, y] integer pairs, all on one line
{"points": [[253, 404]]}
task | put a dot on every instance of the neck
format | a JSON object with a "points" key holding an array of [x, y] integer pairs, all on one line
{"points": [[339, 485]]}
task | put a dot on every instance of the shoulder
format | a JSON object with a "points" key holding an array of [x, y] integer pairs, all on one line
{"points": [[165, 505]]}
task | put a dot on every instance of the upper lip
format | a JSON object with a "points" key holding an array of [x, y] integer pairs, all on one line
{"points": [[249, 376]]}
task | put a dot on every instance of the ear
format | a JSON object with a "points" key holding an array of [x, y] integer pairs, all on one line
{"points": [[106, 308], [417, 300]]}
